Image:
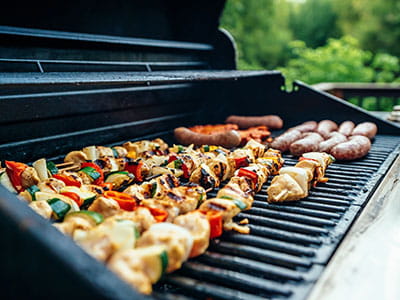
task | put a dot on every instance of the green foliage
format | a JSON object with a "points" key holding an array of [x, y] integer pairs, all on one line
{"points": [[375, 23], [340, 60], [260, 30], [313, 22]]}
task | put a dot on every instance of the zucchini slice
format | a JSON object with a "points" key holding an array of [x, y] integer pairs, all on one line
{"points": [[87, 196], [32, 190], [155, 259], [120, 179], [51, 168], [59, 207], [6, 182], [43, 196], [93, 217]]}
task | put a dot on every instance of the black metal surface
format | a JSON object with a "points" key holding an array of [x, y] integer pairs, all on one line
{"points": [[289, 243], [156, 19]]}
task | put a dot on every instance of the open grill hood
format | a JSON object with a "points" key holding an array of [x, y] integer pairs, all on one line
{"points": [[61, 91]]}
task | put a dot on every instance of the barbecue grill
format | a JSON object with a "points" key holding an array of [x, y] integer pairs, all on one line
{"points": [[156, 66]]}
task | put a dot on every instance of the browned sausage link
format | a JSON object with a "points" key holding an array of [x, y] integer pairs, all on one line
{"points": [[334, 139], [309, 143], [367, 129], [227, 139], [325, 127], [284, 141], [346, 128], [306, 126], [358, 146], [244, 122]]}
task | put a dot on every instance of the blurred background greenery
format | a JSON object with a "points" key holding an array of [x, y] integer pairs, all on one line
{"points": [[318, 40]]}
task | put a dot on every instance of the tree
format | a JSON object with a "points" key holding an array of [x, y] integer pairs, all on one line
{"points": [[375, 23], [313, 22], [261, 31], [340, 60]]}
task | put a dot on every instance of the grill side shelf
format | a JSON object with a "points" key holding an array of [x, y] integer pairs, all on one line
{"points": [[291, 243]]}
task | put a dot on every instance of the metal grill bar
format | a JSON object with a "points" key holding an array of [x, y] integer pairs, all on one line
{"points": [[289, 243]]}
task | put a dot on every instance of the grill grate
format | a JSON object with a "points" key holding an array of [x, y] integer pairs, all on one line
{"points": [[289, 243]]}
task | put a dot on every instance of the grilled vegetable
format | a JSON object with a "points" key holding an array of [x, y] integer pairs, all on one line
{"points": [[119, 179], [6, 182], [93, 217], [43, 196], [41, 168], [51, 168], [86, 196], [155, 260], [59, 207], [14, 171], [32, 191], [124, 200], [68, 180]]}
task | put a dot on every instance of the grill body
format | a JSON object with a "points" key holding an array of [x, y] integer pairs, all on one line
{"points": [[62, 91]]}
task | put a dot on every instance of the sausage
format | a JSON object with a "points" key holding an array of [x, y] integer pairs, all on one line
{"points": [[271, 121], [284, 141], [306, 126], [227, 139], [325, 127], [334, 139], [367, 129], [346, 128], [309, 143], [358, 146]]}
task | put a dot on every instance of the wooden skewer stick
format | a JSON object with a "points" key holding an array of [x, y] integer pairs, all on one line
{"points": [[73, 167], [65, 164]]}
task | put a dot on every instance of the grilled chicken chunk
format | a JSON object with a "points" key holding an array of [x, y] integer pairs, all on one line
{"points": [[51, 185], [199, 227], [284, 188], [131, 268], [42, 208], [105, 206], [228, 208], [177, 240]]}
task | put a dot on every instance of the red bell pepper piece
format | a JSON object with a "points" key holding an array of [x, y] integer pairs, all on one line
{"points": [[241, 162], [107, 186], [135, 167], [172, 158], [14, 171], [99, 180], [159, 215], [305, 158], [249, 174], [68, 180], [73, 196], [215, 220], [125, 201], [185, 170]]}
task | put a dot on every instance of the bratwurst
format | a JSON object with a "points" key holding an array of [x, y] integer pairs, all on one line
{"points": [[358, 146], [309, 143], [271, 121], [227, 139], [306, 126], [334, 139], [284, 141], [367, 129], [325, 127], [346, 128]]}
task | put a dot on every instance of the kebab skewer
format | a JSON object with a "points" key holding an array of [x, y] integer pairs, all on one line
{"points": [[113, 239], [294, 183]]}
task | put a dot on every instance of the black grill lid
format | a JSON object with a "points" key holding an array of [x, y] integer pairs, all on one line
{"points": [[179, 20]]}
